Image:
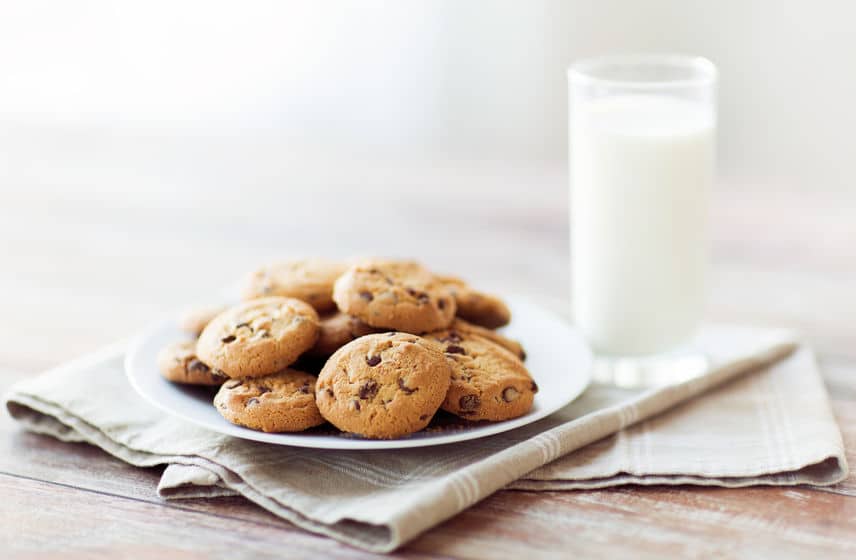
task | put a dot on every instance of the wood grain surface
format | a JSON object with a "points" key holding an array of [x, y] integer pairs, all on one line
{"points": [[102, 231]]}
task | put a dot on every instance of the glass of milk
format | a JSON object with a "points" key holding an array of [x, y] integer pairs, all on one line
{"points": [[642, 138]]}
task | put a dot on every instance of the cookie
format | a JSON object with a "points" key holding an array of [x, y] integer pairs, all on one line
{"points": [[488, 381], [338, 329], [178, 363], [310, 280], [477, 307], [396, 295], [383, 386], [280, 402], [194, 319], [509, 344], [258, 337]]}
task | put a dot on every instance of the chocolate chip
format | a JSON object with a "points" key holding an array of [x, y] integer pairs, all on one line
{"points": [[304, 388], [453, 336], [469, 403], [441, 303], [196, 365], [509, 394], [423, 417], [264, 389], [421, 296], [534, 387], [233, 384], [372, 360], [228, 339], [239, 325], [523, 358], [455, 349], [217, 374], [366, 295], [355, 404], [252, 401], [263, 333], [368, 389], [405, 389], [330, 392]]}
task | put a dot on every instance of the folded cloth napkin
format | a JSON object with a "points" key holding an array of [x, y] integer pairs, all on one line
{"points": [[773, 426]]}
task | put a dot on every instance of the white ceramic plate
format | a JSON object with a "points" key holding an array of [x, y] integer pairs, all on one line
{"points": [[557, 357]]}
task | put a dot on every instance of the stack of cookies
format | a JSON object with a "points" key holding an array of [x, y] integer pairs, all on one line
{"points": [[391, 343]]}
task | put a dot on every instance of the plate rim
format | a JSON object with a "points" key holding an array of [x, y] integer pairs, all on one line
{"points": [[359, 444]]}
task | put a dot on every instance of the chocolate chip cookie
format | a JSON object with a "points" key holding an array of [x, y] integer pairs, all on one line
{"points": [[194, 319], [397, 295], [338, 329], [488, 382], [178, 363], [383, 386], [258, 337], [477, 307], [509, 344], [310, 280], [280, 402]]}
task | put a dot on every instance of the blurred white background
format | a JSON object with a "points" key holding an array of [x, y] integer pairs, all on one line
{"points": [[479, 79], [151, 152]]}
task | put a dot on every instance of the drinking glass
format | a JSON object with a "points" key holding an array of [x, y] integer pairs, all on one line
{"points": [[642, 136]]}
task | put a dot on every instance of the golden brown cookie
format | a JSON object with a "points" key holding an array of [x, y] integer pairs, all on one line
{"points": [[509, 344], [258, 337], [383, 386], [280, 402], [194, 319], [310, 280], [488, 381], [396, 295], [338, 329], [477, 307], [178, 363]]}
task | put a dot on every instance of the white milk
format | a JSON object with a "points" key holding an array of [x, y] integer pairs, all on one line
{"points": [[641, 169]]}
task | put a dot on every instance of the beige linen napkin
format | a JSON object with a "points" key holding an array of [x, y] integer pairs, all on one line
{"points": [[771, 426]]}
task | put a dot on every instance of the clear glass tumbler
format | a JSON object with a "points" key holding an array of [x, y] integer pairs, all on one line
{"points": [[642, 148]]}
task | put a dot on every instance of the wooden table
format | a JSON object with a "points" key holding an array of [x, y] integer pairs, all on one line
{"points": [[101, 231]]}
